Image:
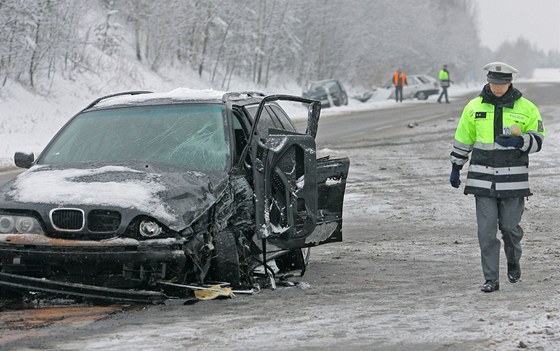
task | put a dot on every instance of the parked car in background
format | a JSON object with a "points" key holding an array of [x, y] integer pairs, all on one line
{"points": [[329, 92], [153, 192], [420, 86]]}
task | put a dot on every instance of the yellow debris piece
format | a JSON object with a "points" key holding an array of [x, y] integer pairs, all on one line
{"points": [[213, 292]]}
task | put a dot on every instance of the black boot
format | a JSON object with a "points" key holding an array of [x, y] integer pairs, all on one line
{"points": [[490, 285], [514, 272]]}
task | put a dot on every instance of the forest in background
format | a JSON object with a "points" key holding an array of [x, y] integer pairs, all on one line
{"points": [[360, 42]]}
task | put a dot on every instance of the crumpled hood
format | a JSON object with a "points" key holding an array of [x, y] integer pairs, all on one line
{"points": [[173, 196]]}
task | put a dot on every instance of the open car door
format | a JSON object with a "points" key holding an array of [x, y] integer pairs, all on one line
{"points": [[298, 198]]}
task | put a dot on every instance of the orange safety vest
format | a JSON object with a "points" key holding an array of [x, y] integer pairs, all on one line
{"points": [[396, 79]]}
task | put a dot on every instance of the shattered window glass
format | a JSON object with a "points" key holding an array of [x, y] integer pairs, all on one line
{"points": [[187, 135]]}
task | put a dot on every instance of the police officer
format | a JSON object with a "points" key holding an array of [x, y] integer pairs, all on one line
{"points": [[501, 128], [444, 81]]}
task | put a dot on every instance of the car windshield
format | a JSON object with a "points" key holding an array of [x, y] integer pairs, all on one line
{"points": [[188, 135]]}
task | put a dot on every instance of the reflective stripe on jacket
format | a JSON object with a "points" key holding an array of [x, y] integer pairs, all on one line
{"points": [[494, 170]]}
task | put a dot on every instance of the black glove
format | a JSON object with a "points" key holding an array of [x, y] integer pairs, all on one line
{"points": [[510, 141], [454, 178]]}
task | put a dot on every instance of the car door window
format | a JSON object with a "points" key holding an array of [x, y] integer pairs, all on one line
{"points": [[265, 122], [283, 118]]}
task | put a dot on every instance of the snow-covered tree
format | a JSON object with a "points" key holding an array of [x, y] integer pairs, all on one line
{"points": [[361, 42]]}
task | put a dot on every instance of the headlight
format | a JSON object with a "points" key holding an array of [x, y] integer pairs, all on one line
{"points": [[6, 224], [19, 225], [149, 228], [24, 224]]}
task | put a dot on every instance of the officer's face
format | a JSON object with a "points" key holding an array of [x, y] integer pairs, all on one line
{"points": [[499, 89]]}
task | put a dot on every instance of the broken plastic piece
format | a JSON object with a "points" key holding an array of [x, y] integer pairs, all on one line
{"points": [[213, 292]]}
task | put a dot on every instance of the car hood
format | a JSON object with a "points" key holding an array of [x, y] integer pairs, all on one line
{"points": [[175, 197]]}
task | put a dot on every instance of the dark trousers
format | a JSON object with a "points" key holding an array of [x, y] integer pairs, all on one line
{"points": [[398, 93], [503, 214], [443, 93]]}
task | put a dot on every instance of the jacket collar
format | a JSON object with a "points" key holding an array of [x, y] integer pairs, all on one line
{"points": [[507, 100]]}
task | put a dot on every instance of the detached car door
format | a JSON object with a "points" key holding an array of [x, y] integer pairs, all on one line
{"points": [[298, 198]]}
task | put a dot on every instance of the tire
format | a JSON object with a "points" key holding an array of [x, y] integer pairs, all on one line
{"points": [[225, 266], [421, 95]]}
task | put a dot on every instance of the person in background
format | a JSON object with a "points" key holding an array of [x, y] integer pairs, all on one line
{"points": [[444, 82], [501, 128], [399, 81]]}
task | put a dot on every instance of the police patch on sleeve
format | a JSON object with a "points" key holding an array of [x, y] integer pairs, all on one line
{"points": [[541, 127], [480, 115]]}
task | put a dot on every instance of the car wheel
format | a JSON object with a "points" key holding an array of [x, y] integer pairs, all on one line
{"points": [[225, 261], [421, 95]]}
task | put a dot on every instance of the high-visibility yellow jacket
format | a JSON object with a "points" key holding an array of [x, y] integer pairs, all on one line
{"points": [[444, 77], [494, 170]]}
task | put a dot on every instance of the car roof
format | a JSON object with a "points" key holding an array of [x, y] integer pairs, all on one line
{"points": [[323, 81], [179, 95]]}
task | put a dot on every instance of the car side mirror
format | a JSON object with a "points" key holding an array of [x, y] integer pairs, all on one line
{"points": [[24, 160]]}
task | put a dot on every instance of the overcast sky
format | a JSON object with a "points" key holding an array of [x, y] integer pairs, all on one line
{"points": [[536, 20]]}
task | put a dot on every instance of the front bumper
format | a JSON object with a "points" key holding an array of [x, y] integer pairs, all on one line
{"points": [[32, 252]]}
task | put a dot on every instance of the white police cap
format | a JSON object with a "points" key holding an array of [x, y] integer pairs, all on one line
{"points": [[499, 72]]}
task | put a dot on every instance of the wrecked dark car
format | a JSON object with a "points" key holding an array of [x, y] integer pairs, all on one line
{"points": [[141, 194], [330, 92]]}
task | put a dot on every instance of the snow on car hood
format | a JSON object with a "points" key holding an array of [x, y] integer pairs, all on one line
{"points": [[175, 198]]}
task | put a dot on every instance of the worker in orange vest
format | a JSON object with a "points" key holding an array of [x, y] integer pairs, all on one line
{"points": [[399, 81]]}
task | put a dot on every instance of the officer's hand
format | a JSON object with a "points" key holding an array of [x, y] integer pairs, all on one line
{"points": [[454, 178], [510, 141]]}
